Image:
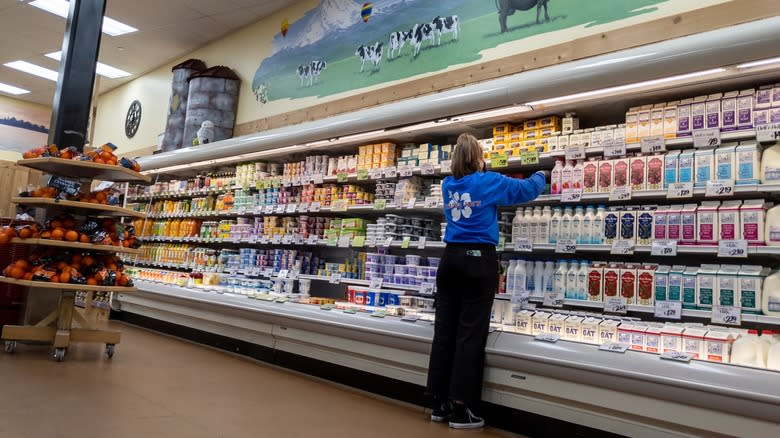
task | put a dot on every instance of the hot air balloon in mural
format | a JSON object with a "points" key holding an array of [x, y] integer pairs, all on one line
{"points": [[365, 12], [285, 26]]}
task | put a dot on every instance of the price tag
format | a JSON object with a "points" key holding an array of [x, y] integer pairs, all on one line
{"points": [[405, 242], [575, 152], [427, 169], [427, 289], [268, 272], [523, 245], [615, 305], [342, 177], [410, 318], [317, 178], [553, 299], [547, 337], [375, 173], [622, 193], [376, 283], [335, 278], [379, 314], [264, 240], [327, 306], [566, 246], [303, 208], [651, 145], [343, 242], [279, 209], [501, 244], [529, 158], [277, 239], [286, 182], [680, 190], [728, 315], [291, 208], [664, 248], [362, 174], [412, 202], [622, 247], [252, 240], [498, 160], [677, 356], [405, 171], [315, 207], [706, 138], [446, 166], [390, 172], [668, 309], [733, 248], [296, 181], [242, 211], [313, 239], [387, 242], [339, 205], [571, 195], [287, 239], [283, 273], [431, 202], [358, 241], [613, 347], [614, 149], [768, 133], [421, 242], [722, 187], [380, 204]]}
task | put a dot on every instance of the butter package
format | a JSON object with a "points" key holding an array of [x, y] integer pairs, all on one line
{"points": [[684, 118], [704, 164], [745, 113], [727, 290], [713, 111], [748, 163], [699, 113], [728, 108], [689, 287], [632, 125], [655, 172], [572, 328], [670, 120], [638, 173], [661, 282], [671, 338], [693, 341], [657, 120], [686, 166], [608, 330], [706, 279], [726, 163], [671, 168], [645, 285], [590, 330]]}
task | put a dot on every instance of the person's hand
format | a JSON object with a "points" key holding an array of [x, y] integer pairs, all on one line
{"points": [[545, 173]]}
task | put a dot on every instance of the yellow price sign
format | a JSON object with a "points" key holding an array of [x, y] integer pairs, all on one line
{"points": [[405, 242], [342, 177], [529, 158], [362, 174], [498, 160]]}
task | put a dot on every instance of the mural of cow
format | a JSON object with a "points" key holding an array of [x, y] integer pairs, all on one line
{"points": [[442, 25], [397, 42], [508, 7], [304, 72], [422, 32], [311, 72], [372, 54]]}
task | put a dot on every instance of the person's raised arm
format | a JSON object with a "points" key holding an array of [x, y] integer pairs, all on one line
{"points": [[510, 191]]}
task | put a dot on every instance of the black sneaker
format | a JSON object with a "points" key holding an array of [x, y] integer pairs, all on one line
{"points": [[463, 418], [442, 413]]}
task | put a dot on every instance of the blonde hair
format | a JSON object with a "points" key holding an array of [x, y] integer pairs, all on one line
{"points": [[467, 156]]}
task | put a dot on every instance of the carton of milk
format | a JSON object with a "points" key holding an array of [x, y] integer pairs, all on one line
{"points": [[638, 337], [726, 163], [671, 168], [644, 120], [713, 111], [699, 113], [572, 328], [523, 322], [675, 283], [689, 287], [686, 165], [707, 280], [729, 111], [704, 164], [717, 345], [632, 125], [693, 341], [590, 330], [751, 215], [751, 284], [653, 338], [555, 324], [707, 223], [608, 331], [727, 290], [539, 323], [661, 282], [624, 333], [671, 338], [684, 118], [729, 219], [745, 112], [748, 163], [670, 119], [657, 120]]}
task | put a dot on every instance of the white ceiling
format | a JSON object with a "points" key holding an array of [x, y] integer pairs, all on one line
{"points": [[168, 29]]}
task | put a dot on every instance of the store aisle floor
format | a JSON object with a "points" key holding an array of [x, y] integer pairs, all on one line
{"points": [[157, 386]]}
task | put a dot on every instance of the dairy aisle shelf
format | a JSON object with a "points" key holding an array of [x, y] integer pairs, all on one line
{"points": [[681, 249], [304, 208]]}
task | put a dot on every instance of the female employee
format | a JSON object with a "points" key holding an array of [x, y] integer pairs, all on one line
{"points": [[467, 280]]}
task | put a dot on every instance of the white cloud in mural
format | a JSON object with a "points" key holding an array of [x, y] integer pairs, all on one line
{"points": [[330, 16]]}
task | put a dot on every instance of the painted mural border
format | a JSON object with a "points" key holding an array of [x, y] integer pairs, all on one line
{"points": [[688, 23]]}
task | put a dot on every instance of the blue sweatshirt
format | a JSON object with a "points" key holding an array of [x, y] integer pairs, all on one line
{"points": [[471, 203]]}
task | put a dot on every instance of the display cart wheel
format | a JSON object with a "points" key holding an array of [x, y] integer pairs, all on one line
{"points": [[10, 346], [110, 350], [59, 354]]}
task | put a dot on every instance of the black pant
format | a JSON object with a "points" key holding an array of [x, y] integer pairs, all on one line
{"points": [[466, 285]]}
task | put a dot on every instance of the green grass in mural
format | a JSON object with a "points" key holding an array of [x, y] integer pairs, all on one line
{"points": [[477, 34]]}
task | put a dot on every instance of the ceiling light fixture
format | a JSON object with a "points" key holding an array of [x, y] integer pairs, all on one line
{"points": [[101, 69], [10, 89], [620, 88], [759, 63], [506, 111], [62, 7], [33, 69]]}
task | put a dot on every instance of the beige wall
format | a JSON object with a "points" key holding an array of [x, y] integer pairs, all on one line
{"points": [[14, 141]]}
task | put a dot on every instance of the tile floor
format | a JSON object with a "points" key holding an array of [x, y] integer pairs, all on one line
{"points": [[158, 386]]}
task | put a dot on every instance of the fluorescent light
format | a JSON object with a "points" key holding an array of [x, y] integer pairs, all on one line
{"points": [[760, 62], [101, 69], [10, 89], [626, 87], [506, 111], [426, 125], [62, 7], [33, 69], [362, 135]]}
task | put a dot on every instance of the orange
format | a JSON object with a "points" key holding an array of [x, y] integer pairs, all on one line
{"points": [[71, 236], [65, 277], [4, 239], [25, 233], [54, 278], [27, 276], [92, 201], [101, 196], [61, 266], [56, 223], [91, 281], [16, 272], [11, 232], [84, 238], [88, 261], [46, 234], [57, 234], [22, 263], [99, 161], [76, 259]]}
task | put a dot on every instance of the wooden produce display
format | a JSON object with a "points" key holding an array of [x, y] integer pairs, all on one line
{"points": [[66, 324]]}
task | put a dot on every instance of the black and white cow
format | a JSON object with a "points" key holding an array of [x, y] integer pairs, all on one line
{"points": [[372, 53], [442, 25], [304, 72], [315, 69], [421, 33], [397, 42]]}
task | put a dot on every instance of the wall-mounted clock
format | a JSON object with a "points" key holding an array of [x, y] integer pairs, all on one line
{"points": [[133, 119]]}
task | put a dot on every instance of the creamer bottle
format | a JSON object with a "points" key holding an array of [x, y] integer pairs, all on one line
{"points": [[586, 235], [539, 283], [556, 181], [582, 280], [578, 175], [555, 225], [544, 225], [559, 278], [597, 226], [571, 281], [530, 221], [510, 279], [576, 224], [566, 175], [548, 277], [524, 223], [516, 224], [566, 223]]}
